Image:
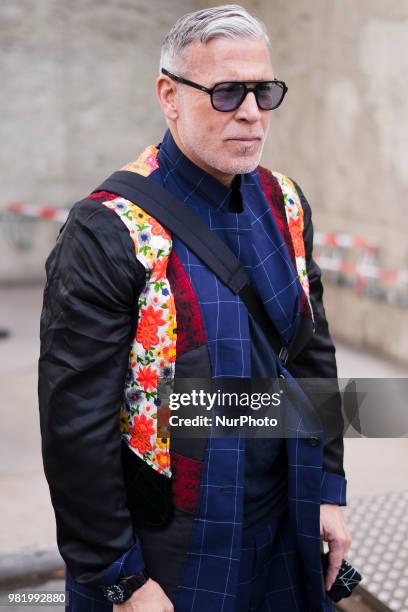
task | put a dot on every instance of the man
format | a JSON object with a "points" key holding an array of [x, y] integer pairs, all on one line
{"points": [[126, 303]]}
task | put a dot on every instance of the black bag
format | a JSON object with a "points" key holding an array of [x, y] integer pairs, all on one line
{"points": [[346, 580]]}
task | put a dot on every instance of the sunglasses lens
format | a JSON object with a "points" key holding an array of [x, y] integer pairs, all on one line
{"points": [[228, 96], [269, 95]]}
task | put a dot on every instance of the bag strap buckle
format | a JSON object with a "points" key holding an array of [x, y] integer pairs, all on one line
{"points": [[283, 355]]}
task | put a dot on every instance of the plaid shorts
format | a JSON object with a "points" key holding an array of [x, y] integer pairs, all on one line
{"points": [[270, 573]]}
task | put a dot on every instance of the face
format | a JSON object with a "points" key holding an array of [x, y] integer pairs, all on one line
{"points": [[221, 143]]}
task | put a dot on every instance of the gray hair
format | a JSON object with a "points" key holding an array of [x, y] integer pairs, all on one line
{"points": [[228, 21]]}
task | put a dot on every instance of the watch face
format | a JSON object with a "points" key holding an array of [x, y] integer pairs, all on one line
{"points": [[124, 589], [114, 593]]}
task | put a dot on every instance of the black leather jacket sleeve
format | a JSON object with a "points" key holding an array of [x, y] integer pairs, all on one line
{"points": [[317, 359], [87, 321]]}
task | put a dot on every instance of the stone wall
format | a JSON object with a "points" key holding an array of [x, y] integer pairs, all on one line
{"points": [[342, 131], [78, 101]]}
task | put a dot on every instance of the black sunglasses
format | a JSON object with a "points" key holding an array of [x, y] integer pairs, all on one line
{"points": [[229, 95]]}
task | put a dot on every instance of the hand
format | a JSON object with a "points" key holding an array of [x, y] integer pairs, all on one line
{"points": [[149, 598], [333, 530]]}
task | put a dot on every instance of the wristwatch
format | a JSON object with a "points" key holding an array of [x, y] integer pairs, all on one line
{"points": [[125, 587]]}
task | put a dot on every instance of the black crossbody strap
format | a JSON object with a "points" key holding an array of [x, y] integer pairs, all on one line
{"points": [[188, 227]]}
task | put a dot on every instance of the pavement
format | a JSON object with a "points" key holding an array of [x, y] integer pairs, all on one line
{"points": [[27, 526]]}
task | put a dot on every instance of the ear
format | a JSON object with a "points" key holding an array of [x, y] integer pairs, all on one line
{"points": [[167, 94]]}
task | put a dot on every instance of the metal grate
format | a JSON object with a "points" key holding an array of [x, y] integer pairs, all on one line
{"points": [[379, 527]]}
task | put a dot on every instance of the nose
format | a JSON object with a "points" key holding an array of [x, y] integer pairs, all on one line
{"points": [[249, 110]]}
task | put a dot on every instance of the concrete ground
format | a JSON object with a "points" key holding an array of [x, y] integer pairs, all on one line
{"points": [[27, 520], [374, 466]]}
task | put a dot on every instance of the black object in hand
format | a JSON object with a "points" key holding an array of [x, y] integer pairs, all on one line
{"points": [[346, 580]]}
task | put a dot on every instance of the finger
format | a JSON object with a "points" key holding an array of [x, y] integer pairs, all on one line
{"points": [[331, 576], [335, 560], [342, 544]]}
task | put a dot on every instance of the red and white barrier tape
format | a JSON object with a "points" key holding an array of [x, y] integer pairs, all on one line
{"points": [[361, 271], [345, 241], [37, 212], [320, 238]]}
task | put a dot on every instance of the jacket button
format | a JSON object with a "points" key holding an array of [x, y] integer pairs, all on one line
{"points": [[313, 441]]}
